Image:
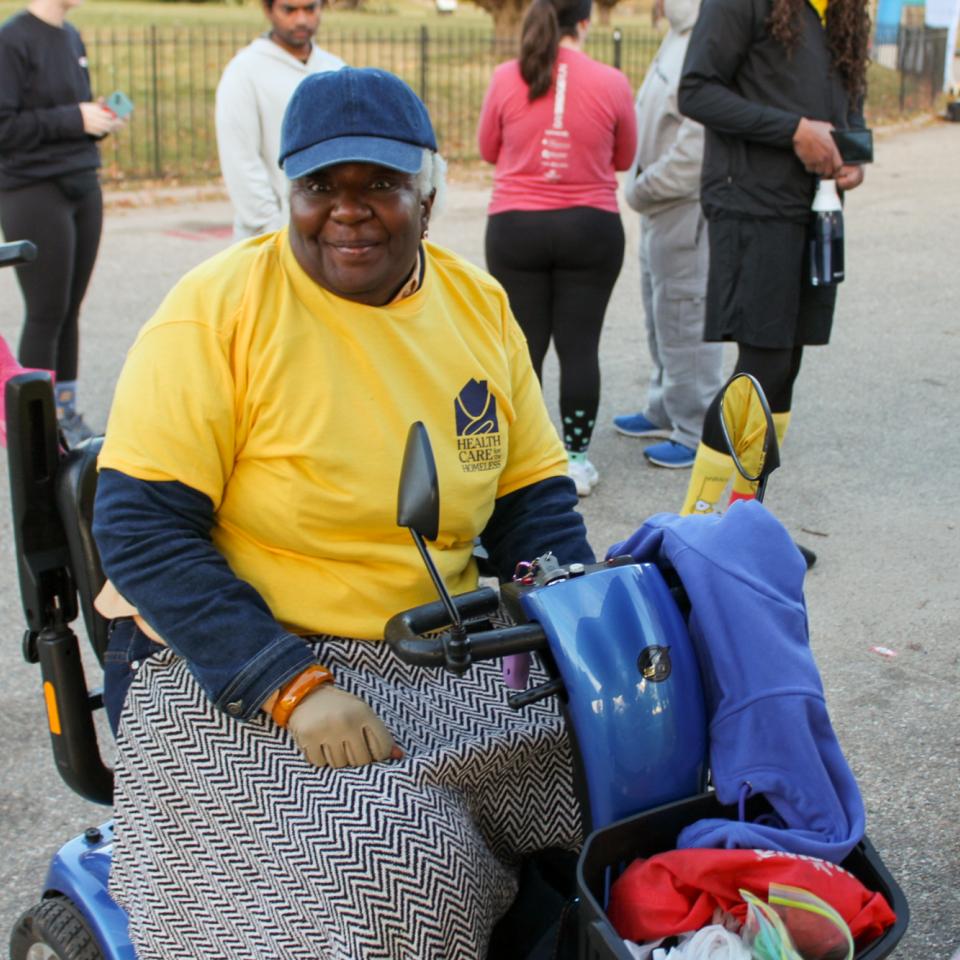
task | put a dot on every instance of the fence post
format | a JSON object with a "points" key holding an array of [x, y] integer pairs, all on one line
{"points": [[617, 47], [424, 52], [155, 95], [902, 62], [938, 63]]}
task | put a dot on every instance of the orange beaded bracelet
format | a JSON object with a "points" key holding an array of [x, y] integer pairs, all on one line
{"points": [[292, 692]]}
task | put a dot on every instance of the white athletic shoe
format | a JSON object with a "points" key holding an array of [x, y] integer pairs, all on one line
{"points": [[584, 475]]}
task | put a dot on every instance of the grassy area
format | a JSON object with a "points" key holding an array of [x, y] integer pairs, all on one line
{"points": [[379, 14]]}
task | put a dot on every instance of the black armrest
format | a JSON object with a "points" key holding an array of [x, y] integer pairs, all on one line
{"points": [[33, 456]]}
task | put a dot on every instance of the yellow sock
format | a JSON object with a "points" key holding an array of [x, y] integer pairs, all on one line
{"points": [[711, 473], [780, 423], [744, 489]]}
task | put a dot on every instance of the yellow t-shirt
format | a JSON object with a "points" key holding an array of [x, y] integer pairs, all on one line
{"points": [[821, 7], [289, 407]]}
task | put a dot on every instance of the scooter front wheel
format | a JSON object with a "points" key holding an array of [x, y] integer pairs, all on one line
{"points": [[53, 930]]}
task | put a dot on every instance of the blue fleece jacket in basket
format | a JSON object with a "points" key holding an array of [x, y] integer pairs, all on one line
{"points": [[770, 733]]}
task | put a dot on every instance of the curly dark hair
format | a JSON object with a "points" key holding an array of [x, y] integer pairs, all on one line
{"points": [[848, 36]]}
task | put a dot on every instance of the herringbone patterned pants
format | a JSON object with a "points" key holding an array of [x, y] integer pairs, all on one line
{"points": [[229, 845]]}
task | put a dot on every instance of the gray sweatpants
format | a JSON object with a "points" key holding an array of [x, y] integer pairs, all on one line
{"points": [[687, 373]]}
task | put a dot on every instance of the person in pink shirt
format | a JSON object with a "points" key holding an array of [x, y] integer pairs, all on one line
{"points": [[558, 125]]}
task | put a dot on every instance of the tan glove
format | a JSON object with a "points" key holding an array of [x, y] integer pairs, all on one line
{"points": [[334, 728]]}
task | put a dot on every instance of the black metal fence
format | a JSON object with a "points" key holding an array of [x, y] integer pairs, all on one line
{"points": [[171, 74], [915, 53], [921, 55]]}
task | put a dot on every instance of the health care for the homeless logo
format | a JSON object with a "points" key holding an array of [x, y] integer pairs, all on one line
{"points": [[479, 444]]}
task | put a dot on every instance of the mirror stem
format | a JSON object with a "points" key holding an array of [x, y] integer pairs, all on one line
{"points": [[455, 645], [761, 489]]}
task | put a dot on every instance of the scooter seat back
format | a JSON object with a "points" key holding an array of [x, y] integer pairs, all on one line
{"points": [[634, 697], [75, 491]]}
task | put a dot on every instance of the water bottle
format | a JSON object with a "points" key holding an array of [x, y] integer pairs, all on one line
{"points": [[826, 236]]}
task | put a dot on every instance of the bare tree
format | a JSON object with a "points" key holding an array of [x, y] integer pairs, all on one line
{"points": [[507, 17], [604, 7]]}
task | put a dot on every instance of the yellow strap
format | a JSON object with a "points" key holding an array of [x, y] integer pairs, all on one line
{"points": [[821, 7]]}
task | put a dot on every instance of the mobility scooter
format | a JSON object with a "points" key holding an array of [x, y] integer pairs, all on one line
{"points": [[613, 638]]}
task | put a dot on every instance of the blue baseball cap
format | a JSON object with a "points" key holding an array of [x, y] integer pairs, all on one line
{"points": [[354, 115]]}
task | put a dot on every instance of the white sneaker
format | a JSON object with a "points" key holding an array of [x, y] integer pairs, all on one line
{"points": [[584, 475]]}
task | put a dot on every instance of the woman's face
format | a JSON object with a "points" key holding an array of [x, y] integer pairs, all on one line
{"points": [[355, 229]]}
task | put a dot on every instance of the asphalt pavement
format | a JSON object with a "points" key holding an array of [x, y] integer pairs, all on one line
{"points": [[867, 480]]}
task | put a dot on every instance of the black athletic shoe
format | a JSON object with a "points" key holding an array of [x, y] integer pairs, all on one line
{"points": [[74, 430], [808, 555]]}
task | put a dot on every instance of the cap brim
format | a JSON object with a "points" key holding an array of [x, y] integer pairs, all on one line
{"points": [[395, 154]]}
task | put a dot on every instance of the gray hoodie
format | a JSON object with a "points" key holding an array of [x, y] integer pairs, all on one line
{"points": [[666, 171], [251, 98]]}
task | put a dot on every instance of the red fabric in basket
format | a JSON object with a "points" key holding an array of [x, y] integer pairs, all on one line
{"points": [[677, 891]]}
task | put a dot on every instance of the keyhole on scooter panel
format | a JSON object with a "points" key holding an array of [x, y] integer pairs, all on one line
{"points": [[654, 663]]}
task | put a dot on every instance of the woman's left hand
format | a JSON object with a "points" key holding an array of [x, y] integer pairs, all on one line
{"points": [[850, 176], [98, 121], [334, 728]]}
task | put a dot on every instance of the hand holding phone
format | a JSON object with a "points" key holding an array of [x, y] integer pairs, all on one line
{"points": [[855, 146], [119, 104], [98, 119]]}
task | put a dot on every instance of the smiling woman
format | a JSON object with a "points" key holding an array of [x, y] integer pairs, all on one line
{"points": [[246, 508], [357, 209], [356, 229], [360, 203]]}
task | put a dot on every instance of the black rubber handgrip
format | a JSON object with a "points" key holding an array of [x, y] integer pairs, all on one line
{"points": [[405, 631]]}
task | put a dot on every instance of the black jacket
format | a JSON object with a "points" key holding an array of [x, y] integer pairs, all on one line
{"points": [[43, 78], [750, 94]]}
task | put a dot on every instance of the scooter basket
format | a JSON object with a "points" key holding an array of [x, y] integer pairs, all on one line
{"points": [[608, 851]]}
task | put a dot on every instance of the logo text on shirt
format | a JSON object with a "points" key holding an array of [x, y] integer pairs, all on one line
{"points": [[479, 444]]}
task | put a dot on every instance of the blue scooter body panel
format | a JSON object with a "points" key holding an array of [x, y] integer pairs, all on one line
{"points": [[633, 687], [80, 870]]}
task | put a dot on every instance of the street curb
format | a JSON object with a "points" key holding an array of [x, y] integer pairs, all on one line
{"points": [[158, 194]]}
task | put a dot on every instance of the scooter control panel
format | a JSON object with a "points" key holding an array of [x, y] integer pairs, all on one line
{"points": [[546, 570]]}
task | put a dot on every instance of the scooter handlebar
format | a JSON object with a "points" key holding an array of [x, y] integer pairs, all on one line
{"points": [[405, 632]]}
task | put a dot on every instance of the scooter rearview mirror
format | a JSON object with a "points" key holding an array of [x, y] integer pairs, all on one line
{"points": [[418, 499], [748, 429], [418, 509]]}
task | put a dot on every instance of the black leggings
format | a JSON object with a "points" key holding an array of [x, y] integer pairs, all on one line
{"points": [[776, 370], [558, 268], [67, 235]]}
